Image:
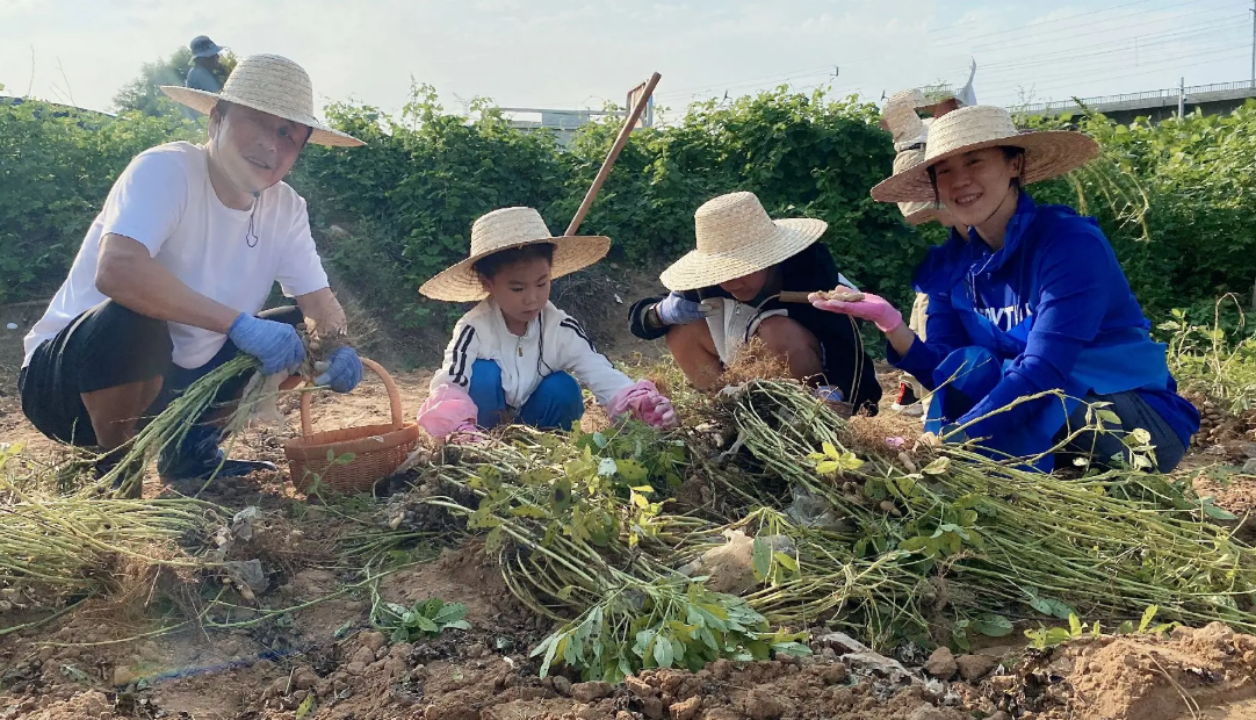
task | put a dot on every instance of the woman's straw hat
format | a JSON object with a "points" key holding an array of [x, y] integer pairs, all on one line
{"points": [[272, 84], [1048, 154], [511, 228], [737, 238]]}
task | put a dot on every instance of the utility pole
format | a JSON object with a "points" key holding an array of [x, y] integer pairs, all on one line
{"points": [[1181, 98]]}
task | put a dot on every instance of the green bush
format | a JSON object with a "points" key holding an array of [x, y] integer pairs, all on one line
{"points": [[1176, 199], [56, 167]]}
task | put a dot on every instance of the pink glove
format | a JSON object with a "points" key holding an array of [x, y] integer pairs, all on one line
{"points": [[872, 308], [645, 403], [449, 409]]}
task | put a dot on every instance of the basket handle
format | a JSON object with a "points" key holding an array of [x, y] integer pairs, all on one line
{"points": [[394, 399]]}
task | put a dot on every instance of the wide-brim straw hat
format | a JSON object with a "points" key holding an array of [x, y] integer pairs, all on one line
{"points": [[506, 229], [737, 238], [271, 84], [900, 118], [1048, 153], [915, 212]]}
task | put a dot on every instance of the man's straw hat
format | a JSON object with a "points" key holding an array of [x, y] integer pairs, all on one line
{"points": [[911, 133], [900, 118], [512, 228], [1048, 154], [737, 238], [272, 84]]}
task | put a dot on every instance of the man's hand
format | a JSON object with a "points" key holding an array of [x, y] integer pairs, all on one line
{"points": [[343, 370], [275, 344]]}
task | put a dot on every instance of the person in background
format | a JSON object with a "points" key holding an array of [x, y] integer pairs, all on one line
{"points": [[1031, 318], [728, 291], [205, 64], [910, 134], [514, 356]]}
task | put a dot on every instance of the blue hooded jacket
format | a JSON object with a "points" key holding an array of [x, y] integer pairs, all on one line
{"points": [[1054, 307]]}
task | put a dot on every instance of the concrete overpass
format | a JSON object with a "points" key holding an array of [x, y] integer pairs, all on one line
{"points": [[1158, 105]]}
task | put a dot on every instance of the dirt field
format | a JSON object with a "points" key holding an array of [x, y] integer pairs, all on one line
{"points": [[322, 659]]}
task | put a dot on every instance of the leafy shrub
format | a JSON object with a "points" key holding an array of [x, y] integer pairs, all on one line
{"points": [[1176, 199]]}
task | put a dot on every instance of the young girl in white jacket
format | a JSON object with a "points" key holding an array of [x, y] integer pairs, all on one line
{"points": [[515, 357]]}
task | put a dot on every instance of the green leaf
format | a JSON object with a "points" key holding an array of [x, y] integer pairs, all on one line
{"points": [[1148, 615], [663, 655], [633, 472], [607, 467], [1214, 512], [550, 650], [306, 707], [1126, 628], [1052, 607], [1074, 625], [762, 558], [786, 561], [450, 612], [992, 625], [1109, 417], [426, 625], [937, 467]]}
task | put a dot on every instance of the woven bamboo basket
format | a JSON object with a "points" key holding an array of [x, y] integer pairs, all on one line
{"points": [[377, 450]]}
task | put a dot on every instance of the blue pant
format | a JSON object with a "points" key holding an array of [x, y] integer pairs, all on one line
{"points": [[556, 403]]}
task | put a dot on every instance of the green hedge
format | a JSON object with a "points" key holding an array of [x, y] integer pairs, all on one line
{"points": [[1176, 199]]}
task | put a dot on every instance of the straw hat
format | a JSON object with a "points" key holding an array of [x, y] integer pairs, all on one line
{"points": [[900, 118], [1048, 154], [736, 238], [272, 84], [511, 228], [916, 213]]}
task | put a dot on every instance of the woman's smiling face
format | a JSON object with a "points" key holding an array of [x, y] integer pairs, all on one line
{"points": [[974, 184]]}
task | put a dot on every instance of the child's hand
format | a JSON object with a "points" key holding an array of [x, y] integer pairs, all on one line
{"points": [[645, 403], [449, 409], [661, 414]]}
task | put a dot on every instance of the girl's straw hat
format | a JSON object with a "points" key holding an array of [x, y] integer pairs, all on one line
{"points": [[737, 238], [503, 230], [1048, 154], [272, 84]]}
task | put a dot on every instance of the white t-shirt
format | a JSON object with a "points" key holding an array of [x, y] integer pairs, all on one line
{"points": [[164, 200]]}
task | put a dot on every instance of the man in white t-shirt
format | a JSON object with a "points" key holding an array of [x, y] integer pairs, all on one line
{"points": [[172, 274]]}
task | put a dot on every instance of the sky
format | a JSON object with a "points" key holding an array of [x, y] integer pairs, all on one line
{"points": [[566, 54]]}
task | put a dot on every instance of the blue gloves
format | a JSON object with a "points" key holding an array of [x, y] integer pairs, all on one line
{"points": [[275, 344], [676, 310], [343, 370]]}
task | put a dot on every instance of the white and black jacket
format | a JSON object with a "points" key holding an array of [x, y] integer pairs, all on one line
{"points": [[554, 342]]}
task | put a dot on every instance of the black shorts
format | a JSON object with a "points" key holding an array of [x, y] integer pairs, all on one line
{"points": [[108, 346]]}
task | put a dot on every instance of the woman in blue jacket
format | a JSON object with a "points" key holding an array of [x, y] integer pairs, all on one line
{"points": [[1031, 318]]}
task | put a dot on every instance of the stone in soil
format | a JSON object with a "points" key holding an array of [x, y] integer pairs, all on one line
{"points": [[975, 667], [941, 663]]}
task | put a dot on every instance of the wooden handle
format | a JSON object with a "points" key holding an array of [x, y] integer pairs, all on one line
{"points": [[795, 296], [613, 155], [394, 399]]}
